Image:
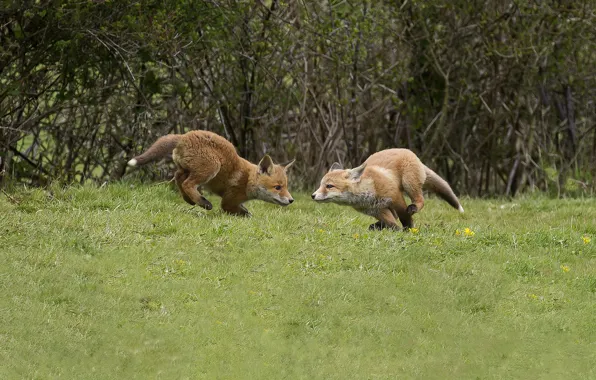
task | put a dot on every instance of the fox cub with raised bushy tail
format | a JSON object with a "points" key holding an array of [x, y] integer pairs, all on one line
{"points": [[376, 187], [206, 159]]}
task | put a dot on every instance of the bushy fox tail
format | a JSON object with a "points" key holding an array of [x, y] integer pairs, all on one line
{"points": [[163, 147], [440, 187]]}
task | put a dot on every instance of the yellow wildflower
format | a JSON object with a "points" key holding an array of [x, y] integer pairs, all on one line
{"points": [[457, 232], [564, 268], [355, 236], [414, 230], [586, 239], [321, 230], [533, 296], [469, 232]]}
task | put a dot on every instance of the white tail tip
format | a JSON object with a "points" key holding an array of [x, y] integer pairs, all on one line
{"points": [[132, 162], [460, 209]]}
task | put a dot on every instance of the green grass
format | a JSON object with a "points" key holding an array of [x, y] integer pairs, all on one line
{"points": [[129, 282]]}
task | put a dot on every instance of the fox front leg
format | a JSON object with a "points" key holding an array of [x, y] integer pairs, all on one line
{"points": [[235, 209], [381, 225], [378, 226], [386, 220], [245, 210]]}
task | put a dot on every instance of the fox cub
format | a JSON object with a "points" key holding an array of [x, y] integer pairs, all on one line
{"points": [[206, 159], [376, 187]]}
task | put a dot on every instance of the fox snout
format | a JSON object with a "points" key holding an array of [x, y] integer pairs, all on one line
{"points": [[317, 196], [286, 198], [280, 199], [286, 201]]}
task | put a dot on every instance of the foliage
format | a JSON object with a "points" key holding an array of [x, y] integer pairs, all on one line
{"points": [[492, 94]]}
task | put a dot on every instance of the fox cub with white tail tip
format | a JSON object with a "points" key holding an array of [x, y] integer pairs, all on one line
{"points": [[376, 187], [206, 159]]}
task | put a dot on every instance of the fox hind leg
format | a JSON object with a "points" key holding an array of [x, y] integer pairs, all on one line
{"points": [[405, 219], [400, 210], [412, 184], [181, 176], [197, 178]]}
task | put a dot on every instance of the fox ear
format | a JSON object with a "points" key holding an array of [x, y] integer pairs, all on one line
{"points": [[356, 173], [336, 166], [266, 165], [288, 165]]}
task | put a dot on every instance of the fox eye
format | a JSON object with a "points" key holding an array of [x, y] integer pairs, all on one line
{"points": [[278, 187], [329, 186]]}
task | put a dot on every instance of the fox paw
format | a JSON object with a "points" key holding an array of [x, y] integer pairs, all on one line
{"points": [[412, 209], [188, 200], [246, 212], [204, 203], [377, 226], [243, 213]]}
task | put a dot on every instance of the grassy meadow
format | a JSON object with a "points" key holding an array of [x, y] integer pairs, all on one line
{"points": [[129, 282]]}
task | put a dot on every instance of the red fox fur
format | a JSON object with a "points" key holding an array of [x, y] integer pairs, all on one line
{"points": [[206, 159], [376, 187]]}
